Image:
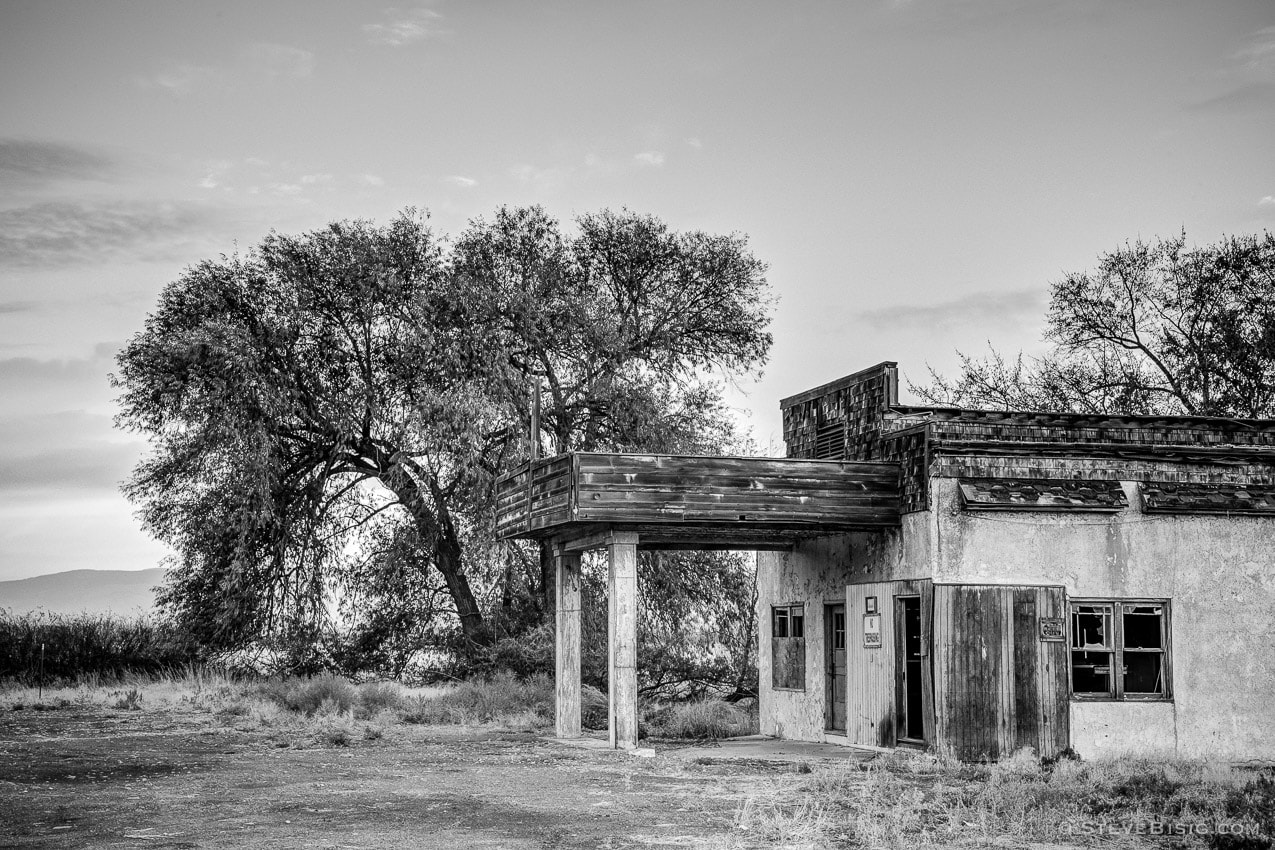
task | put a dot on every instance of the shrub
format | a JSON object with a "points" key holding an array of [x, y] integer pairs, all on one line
{"points": [[307, 696], [129, 701], [502, 698], [700, 719], [378, 697], [594, 708]]}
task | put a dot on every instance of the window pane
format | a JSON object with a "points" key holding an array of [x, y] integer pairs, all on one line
{"points": [[798, 619], [1143, 673], [1091, 672], [781, 623], [1091, 627], [1142, 627], [838, 630]]}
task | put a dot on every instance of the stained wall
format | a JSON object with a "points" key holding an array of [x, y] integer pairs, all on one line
{"points": [[814, 574], [1218, 573]]}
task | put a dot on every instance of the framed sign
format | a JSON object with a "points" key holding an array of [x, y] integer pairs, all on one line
{"points": [[872, 631], [1052, 628]]}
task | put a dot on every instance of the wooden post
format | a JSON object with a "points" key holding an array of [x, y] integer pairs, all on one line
{"points": [[567, 643], [622, 640]]}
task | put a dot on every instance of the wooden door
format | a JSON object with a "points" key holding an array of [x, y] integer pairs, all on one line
{"points": [[835, 663], [1000, 671]]}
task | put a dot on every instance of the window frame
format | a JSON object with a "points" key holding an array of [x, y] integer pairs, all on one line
{"points": [[1116, 692], [788, 609]]}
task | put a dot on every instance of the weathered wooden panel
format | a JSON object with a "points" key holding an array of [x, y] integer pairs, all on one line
{"points": [[870, 706], [999, 687], [871, 672], [722, 495], [536, 497]]}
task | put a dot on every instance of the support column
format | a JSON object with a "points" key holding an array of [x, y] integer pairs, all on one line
{"points": [[566, 643], [622, 640]]}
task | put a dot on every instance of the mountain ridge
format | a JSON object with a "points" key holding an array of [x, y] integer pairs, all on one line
{"points": [[85, 591]]}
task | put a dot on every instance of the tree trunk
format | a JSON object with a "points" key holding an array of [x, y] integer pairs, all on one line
{"points": [[434, 524]]}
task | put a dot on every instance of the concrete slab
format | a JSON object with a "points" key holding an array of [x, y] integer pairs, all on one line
{"points": [[748, 748], [763, 748]]}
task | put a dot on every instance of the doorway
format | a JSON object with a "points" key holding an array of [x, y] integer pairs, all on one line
{"points": [[834, 618], [909, 691]]}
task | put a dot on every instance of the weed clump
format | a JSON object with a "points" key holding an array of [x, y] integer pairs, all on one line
{"points": [[501, 698], [699, 720]]}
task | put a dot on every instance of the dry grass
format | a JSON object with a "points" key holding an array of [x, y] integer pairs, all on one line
{"points": [[502, 699], [707, 719], [910, 800], [323, 710]]}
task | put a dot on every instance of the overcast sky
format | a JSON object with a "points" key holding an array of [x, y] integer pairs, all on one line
{"points": [[915, 172]]}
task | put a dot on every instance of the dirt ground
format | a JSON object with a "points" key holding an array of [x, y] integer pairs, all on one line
{"points": [[95, 777]]}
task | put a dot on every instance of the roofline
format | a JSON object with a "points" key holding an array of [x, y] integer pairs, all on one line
{"points": [[1102, 419], [824, 389]]}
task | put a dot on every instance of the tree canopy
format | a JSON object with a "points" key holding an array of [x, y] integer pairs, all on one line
{"points": [[1155, 328], [335, 406]]}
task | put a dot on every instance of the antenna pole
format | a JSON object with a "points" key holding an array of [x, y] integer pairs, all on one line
{"points": [[535, 419]]}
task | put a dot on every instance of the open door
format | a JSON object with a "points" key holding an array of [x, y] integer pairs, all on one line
{"points": [[835, 664], [910, 660]]}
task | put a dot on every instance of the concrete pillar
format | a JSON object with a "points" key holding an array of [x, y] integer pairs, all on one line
{"points": [[567, 643], [622, 640]]}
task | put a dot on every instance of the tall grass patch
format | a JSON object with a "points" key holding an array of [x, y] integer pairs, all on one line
{"points": [[699, 720], [501, 698], [88, 644], [905, 800]]}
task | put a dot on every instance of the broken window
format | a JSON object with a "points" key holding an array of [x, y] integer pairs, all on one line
{"points": [[1119, 649], [788, 647]]}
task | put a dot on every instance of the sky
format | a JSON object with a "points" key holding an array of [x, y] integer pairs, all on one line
{"points": [[915, 172]]}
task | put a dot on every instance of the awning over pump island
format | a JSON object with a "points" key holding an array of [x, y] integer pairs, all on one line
{"points": [[623, 502]]}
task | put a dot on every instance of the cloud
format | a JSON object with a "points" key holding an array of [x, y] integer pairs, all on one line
{"points": [[655, 158], [694, 141], [257, 61], [9, 307], [978, 309], [61, 233], [316, 179], [461, 181], [1250, 76], [279, 61], [180, 78], [405, 26], [64, 451], [542, 179], [28, 163], [371, 180], [1267, 201], [1258, 56]]}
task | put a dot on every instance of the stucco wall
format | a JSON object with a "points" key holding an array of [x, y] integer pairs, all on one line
{"points": [[816, 573], [1218, 572]]}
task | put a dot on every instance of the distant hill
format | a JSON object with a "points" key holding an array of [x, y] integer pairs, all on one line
{"points": [[125, 592]]}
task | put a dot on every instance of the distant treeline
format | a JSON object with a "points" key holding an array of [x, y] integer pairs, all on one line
{"points": [[96, 644]]}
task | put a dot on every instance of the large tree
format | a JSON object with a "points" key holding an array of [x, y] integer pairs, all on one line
{"points": [[340, 401], [1155, 328]]}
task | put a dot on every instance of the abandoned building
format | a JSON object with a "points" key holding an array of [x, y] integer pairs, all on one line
{"points": [[970, 581]]}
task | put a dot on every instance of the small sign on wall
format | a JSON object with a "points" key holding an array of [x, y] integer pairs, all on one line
{"points": [[1052, 628], [872, 631]]}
